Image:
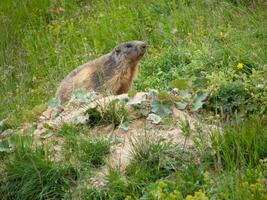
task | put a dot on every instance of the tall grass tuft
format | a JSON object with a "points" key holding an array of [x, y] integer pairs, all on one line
{"points": [[240, 145], [30, 175]]}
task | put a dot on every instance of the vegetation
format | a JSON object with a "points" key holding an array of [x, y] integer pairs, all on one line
{"points": [[160, 171], [214, 49], [114, 113], [30, 175]]}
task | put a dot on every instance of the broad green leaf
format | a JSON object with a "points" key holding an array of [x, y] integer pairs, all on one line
{"points": [[197, 105], [154, 118], [201, 95], [142, 112], [180, 106], [161, 109], [199, 98], [125, 125], [181, 84], [185, 94]]}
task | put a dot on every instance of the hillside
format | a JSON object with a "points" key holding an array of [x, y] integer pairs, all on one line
{"points": [[207, 60]]}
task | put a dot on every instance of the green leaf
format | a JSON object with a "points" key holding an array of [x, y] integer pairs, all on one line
{"points": [[125, 125], [185, 94], [199, 100], [201, 95], [161, 109], [180, 106], [181, 84], [154, 118], [142, 112]]}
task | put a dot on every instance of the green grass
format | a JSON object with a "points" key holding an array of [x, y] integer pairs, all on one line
{"points": [[159, 171], [41, 41], [30, 172], [240, 145], [83, 148], [113, 113], [231, 167], [150, 162], [30, 175]]}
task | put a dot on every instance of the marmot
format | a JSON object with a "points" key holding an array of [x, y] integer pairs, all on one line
{"points": [[113, 72]]}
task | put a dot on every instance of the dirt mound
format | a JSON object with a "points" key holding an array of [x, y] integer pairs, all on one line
{"points": [[170, 129]]}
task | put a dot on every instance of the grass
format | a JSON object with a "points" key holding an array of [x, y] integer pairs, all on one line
{"points": [[240, 145], [30, 175], [42, 41], [114, 113], [80, 147], [231, 167], [203, 42], [31, 172], [150, 163]]}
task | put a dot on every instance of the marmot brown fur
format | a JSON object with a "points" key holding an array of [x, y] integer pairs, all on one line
{"points": [[112, 72]]}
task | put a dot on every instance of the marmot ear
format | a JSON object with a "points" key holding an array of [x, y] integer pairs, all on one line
{"points": [[117, 50]]}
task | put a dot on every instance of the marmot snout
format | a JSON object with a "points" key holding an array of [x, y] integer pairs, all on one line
{"points": [[112, 72]]}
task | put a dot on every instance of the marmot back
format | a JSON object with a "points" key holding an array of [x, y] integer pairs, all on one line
{"points": [[112, 72]]}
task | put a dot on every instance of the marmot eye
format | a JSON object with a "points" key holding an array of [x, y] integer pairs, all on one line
{"points": [[129, 45], [117, 50]]}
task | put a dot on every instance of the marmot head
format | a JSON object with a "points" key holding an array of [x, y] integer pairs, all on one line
{"points": [[131, 51]]}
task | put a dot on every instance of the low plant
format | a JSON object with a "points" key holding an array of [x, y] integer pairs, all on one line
{"points": [[162, 189], [190, 178], [245, 184], [114, 113]]}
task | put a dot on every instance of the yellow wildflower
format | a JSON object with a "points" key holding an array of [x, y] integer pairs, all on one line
{"points": [[201, 18], [257, 187], [162, 184], [240, 66], [221, 34], [197, 196], [189, 197], [128, 197]]}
